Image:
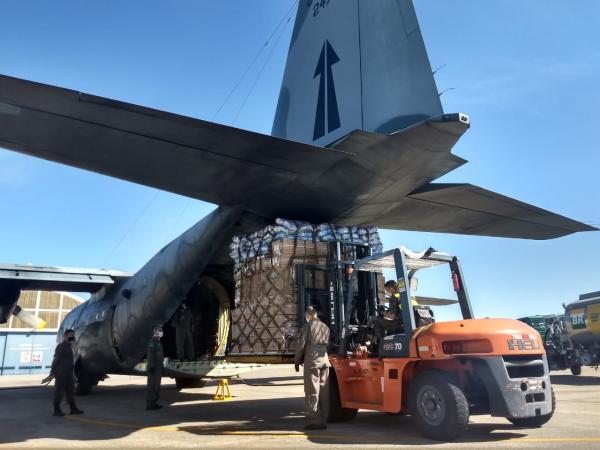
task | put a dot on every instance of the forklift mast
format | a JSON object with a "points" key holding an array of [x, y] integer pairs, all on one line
{"points": [[329, 288], [344, 291]]}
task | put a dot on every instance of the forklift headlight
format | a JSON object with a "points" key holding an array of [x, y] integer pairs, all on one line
{"points": [[464, 347]]}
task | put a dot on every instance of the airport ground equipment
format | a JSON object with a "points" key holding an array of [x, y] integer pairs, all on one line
{"points": [[438, 372], [573, 339], [223, 392], [538, 323]]}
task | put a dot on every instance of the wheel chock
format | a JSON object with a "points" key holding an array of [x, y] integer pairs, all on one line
{"points": [[223, 392]]}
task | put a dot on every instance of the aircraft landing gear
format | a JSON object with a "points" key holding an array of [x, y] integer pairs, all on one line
{"points": [[84, 382], [189, 383]]}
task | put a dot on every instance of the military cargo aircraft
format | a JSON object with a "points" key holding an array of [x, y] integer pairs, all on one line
{"points": [[359, 137]]}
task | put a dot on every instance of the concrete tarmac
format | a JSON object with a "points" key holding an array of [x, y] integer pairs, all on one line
{"points": [[266, 412]]}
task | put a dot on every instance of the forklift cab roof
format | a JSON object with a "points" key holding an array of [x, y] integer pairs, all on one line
{"points": [[413, 260]]}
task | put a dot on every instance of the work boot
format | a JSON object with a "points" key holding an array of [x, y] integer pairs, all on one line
{"points": [[315, 426], [75, 410], [58, 413], [153, 407]]}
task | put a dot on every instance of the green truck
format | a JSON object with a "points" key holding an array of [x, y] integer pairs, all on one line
{"points": [[538, 323]]}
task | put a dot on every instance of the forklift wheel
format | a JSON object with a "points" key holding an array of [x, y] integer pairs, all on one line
{"points": [[534, 422], [438, 406], [336, 413], [576, 370]]}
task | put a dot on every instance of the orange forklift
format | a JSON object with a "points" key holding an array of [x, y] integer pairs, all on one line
{"points": [[438, 372]]}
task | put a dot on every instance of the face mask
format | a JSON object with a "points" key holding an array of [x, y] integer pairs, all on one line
{"points": [[71, 338], [160, 334]]}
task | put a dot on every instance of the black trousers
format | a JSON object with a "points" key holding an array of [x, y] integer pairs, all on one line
{"points": [[154, 378], [185, 343], [64, 385], [382, 326]]}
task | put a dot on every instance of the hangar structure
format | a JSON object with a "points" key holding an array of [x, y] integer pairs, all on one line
{"points": [[24, 350]]}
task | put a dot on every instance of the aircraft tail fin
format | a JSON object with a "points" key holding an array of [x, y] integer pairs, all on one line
{"points": [[354, 64]]}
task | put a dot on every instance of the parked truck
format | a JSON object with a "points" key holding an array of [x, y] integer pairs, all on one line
{"points": [[572, 339]]}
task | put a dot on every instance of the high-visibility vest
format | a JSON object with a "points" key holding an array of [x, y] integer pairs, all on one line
{"points": [[396, 295]]}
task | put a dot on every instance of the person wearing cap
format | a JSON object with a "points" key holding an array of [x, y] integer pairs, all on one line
{"points": [[311, 351], [391, 322], [154, 367], [62, 371]]}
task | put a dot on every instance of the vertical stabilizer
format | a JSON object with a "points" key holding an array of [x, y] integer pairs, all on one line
{"points": [[354, 64]]}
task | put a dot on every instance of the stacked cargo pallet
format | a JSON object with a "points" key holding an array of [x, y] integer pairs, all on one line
{"points": [[265, 320]]}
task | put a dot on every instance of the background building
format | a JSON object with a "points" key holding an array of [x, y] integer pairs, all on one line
{"points": [[24, 350]]}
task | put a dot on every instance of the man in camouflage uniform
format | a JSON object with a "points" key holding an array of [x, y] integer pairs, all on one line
{"points": [[62, 371], [154, 367], [312, 352]]}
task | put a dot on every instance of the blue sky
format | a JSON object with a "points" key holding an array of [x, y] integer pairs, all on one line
{"points": [[526, 72]]}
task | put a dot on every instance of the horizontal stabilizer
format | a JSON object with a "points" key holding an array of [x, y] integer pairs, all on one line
{"points": [[468, 209]]}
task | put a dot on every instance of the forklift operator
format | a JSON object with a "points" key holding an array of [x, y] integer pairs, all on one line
{"points": [[391, 322]]}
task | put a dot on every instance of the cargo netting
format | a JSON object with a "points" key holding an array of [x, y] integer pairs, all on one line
{"points": [[265, 320]]}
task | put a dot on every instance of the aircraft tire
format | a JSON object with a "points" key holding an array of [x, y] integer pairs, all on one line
{"points": [[189, 383], [84, 383]]}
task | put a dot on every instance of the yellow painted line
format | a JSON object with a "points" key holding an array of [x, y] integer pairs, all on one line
{"points": [[265, 434], [120, 424], [201, 431], [565, 439]]}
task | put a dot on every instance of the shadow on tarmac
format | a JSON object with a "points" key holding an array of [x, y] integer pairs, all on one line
{"points": [[114, 412], [575, 380], [366, 428]]}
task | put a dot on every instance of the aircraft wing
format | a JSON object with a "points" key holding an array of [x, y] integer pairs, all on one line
{"points": [[367, 178], [15, 277], [434, 301], [21, 277]]}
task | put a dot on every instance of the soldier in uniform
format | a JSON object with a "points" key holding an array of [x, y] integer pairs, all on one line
{"points": [[312, 352], [154, 367], [183, 333], [62, 371]]}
